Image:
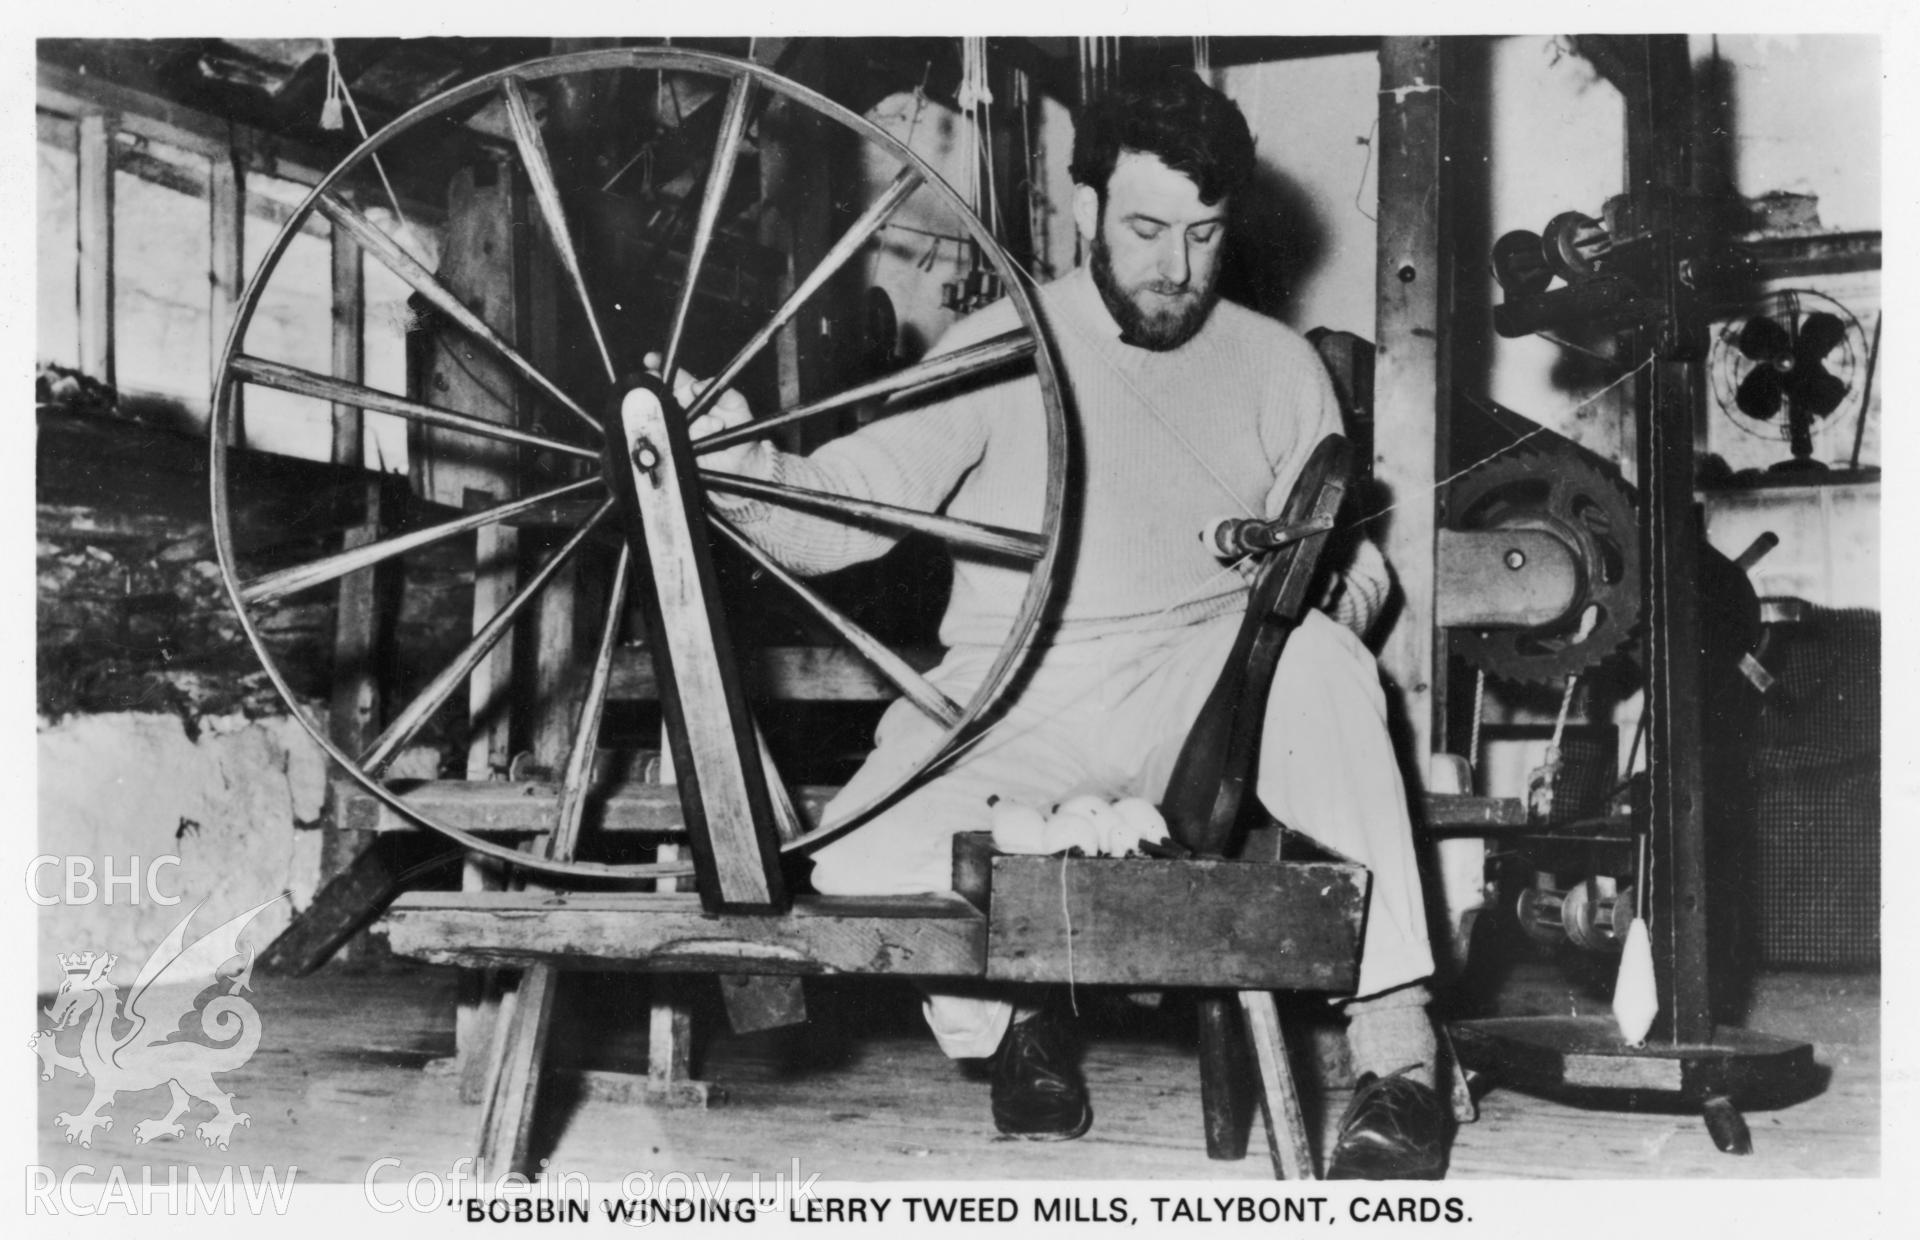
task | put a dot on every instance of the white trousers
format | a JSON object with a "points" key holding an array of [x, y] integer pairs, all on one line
{"points": [[1108, 716]]}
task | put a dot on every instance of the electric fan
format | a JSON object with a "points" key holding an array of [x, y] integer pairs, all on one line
{"points": [[1790, 370]]}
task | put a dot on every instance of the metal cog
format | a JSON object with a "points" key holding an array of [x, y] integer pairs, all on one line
{"points": [[1592, 512]]}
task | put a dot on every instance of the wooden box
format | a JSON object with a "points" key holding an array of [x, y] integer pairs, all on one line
{"points": [[1137, 921]]}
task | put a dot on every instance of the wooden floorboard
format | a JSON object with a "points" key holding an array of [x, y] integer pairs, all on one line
{"points": [[342, 1078]]}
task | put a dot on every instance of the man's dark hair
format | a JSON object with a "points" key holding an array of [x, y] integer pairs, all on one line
{"points": [[1191, 127]]}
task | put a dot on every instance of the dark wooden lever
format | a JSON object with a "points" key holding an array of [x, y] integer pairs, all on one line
{"points": [[1206, 798]]}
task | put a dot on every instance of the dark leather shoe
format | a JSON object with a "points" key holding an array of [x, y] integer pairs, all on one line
{"points": [[1038, 1093], [1395, 1129]]}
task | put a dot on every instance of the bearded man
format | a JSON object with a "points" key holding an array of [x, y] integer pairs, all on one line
{"points": [[1189, 408]]}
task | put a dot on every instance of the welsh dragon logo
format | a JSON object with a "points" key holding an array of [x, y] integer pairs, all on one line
{"points": [[149, 1047]]}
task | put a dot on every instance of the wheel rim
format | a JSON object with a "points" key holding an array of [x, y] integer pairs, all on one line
{"points": [[1041, 550]]}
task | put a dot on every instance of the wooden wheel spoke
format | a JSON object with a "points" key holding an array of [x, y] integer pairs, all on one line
{"points": [[428, 285], [843, 250], [786, 817], [341, 392], [578, 779], [280, 584], [546, 192], [993, 539], [726, 151], [917, 688], [961, 364], [408, 723]]}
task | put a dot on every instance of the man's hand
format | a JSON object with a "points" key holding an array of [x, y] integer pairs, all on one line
{"points": [[729, 411]]}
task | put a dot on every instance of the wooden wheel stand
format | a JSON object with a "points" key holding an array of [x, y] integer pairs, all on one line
{"points": [[1244, 926], [1687, 1055]]}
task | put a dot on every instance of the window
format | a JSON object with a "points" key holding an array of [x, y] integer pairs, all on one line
{"points": [[384, 337], [168, 317], [57, 315], [292, 322], [162, 257]]}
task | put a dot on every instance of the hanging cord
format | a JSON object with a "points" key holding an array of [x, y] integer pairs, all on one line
{"points": [[1029, 177], [919, 105], [1497, 453], [337, 94], [1541, 779], [1203, 57], [1066, 916], [975, 98], [1366, 165]]}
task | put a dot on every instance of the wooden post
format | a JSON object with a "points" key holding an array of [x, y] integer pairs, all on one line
{"points": [[794, 182], [537, 291], [477, 265], [349, 343], [1658, 171], [355, 714], [670, 1080], [495, 579], [227, 227], [1414, 292], [94, 186]]}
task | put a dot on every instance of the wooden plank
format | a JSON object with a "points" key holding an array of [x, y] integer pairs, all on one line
{"points": [[782, 673], [528, 807], [519, 807], [94, 189], [716, 756], [1279, 1096], [346, 904], [1241, 925], [905, 936], [1459, 810], [1586, 1052], [1412, 287]]}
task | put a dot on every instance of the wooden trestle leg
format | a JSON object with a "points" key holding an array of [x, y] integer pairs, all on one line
{"points": [[716, 755]]}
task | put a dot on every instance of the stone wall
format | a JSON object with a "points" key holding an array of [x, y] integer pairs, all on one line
{"points": [[160, 733]]}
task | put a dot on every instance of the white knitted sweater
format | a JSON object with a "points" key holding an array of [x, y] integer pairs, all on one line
{"points": [[1168, 441]]}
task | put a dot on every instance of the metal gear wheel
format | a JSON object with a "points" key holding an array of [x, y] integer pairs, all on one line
{"points": [[1589, 509]]}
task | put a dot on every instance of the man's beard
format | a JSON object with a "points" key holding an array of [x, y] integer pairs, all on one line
{"points": [[1159, 330]]}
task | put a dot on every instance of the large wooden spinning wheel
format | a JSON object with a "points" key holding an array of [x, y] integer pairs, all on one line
{"points": [[632, 475]]}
